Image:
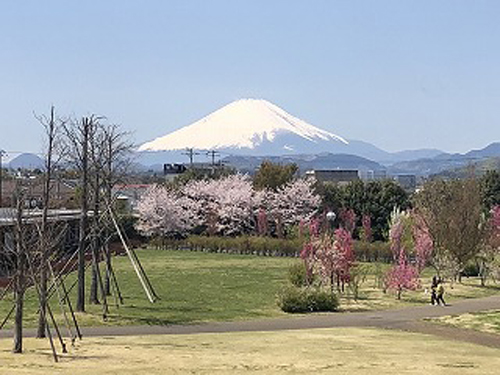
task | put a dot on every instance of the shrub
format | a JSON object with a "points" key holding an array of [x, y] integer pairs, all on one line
{"points": [[471, 269], [298, 300], [297, 274]]}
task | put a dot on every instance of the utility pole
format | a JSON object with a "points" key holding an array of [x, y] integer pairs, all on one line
{"points": [[2, 154], [190, 152], [212, 154]]}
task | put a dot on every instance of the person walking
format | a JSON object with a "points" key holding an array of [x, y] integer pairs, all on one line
{"points": [[434, 285], [440, 294]]}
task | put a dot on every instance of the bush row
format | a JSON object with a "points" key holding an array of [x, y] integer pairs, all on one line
{"points": [[270, 246], [377, 251], [236, 245]]}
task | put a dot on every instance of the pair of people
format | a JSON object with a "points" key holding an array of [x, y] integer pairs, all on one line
{"points": [[437, 292]]}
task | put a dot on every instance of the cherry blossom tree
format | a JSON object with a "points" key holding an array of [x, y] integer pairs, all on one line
{"points": [[228, 206], [292, 203], [262, 224], [230, 201], [402, 275], [163, 211]]}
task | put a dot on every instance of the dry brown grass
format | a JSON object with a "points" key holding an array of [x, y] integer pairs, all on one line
{"points": [[484, 321], [322, 351]]}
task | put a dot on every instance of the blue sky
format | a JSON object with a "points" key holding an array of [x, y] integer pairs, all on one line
{"points": [[399, 74]]}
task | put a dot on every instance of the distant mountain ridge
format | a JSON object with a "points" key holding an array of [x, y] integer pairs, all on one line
{"points": [[305, 162], [447, 162]]}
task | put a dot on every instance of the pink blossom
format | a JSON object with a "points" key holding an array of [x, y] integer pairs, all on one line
{"points": [[367, 228], [348, 218]]}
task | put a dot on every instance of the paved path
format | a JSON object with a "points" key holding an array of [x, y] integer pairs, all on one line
{"points": [[406, 319]]}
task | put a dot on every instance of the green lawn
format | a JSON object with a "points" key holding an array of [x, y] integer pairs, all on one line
{"points": [[199, 287], [194, 287], [353, 351]]}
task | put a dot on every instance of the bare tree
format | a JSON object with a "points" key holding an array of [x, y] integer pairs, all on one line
{"points": [[52, 154], [96, 151], [453, 213], [101, 154], [116, 165], [79, 135]]}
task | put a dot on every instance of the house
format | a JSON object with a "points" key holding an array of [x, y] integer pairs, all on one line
{"points": [[171, 171], [129, 194], [62, 193]]}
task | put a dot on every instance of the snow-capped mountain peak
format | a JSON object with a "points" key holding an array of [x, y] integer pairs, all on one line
{"points": [[244, 124]]}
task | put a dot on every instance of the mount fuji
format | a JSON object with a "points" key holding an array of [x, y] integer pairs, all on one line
{"points": [[249, 126], [256, 127]]}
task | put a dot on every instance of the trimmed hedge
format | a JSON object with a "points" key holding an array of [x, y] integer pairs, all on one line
{"points": [[309, 299], [266, 246]]}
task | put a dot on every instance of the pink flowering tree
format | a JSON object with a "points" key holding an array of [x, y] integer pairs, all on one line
{"points": [[163, 212], [292, 203], [367, 234], [423, 242], [348, 219], [402, 275], [226, 206], [345, 258], [329, 257]]}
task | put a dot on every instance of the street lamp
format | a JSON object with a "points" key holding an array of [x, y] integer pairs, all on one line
{"points": [[330, 218]]}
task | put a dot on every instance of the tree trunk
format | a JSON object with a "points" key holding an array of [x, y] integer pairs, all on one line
{"points": [[42, 318], [482, 272], [93, 299], [18, 321], [107, 277], [20, 280], [94, 285], [43, 242], [82, 243]]}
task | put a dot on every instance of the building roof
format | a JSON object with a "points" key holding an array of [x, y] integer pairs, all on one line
{"points": [[8, 215]]}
